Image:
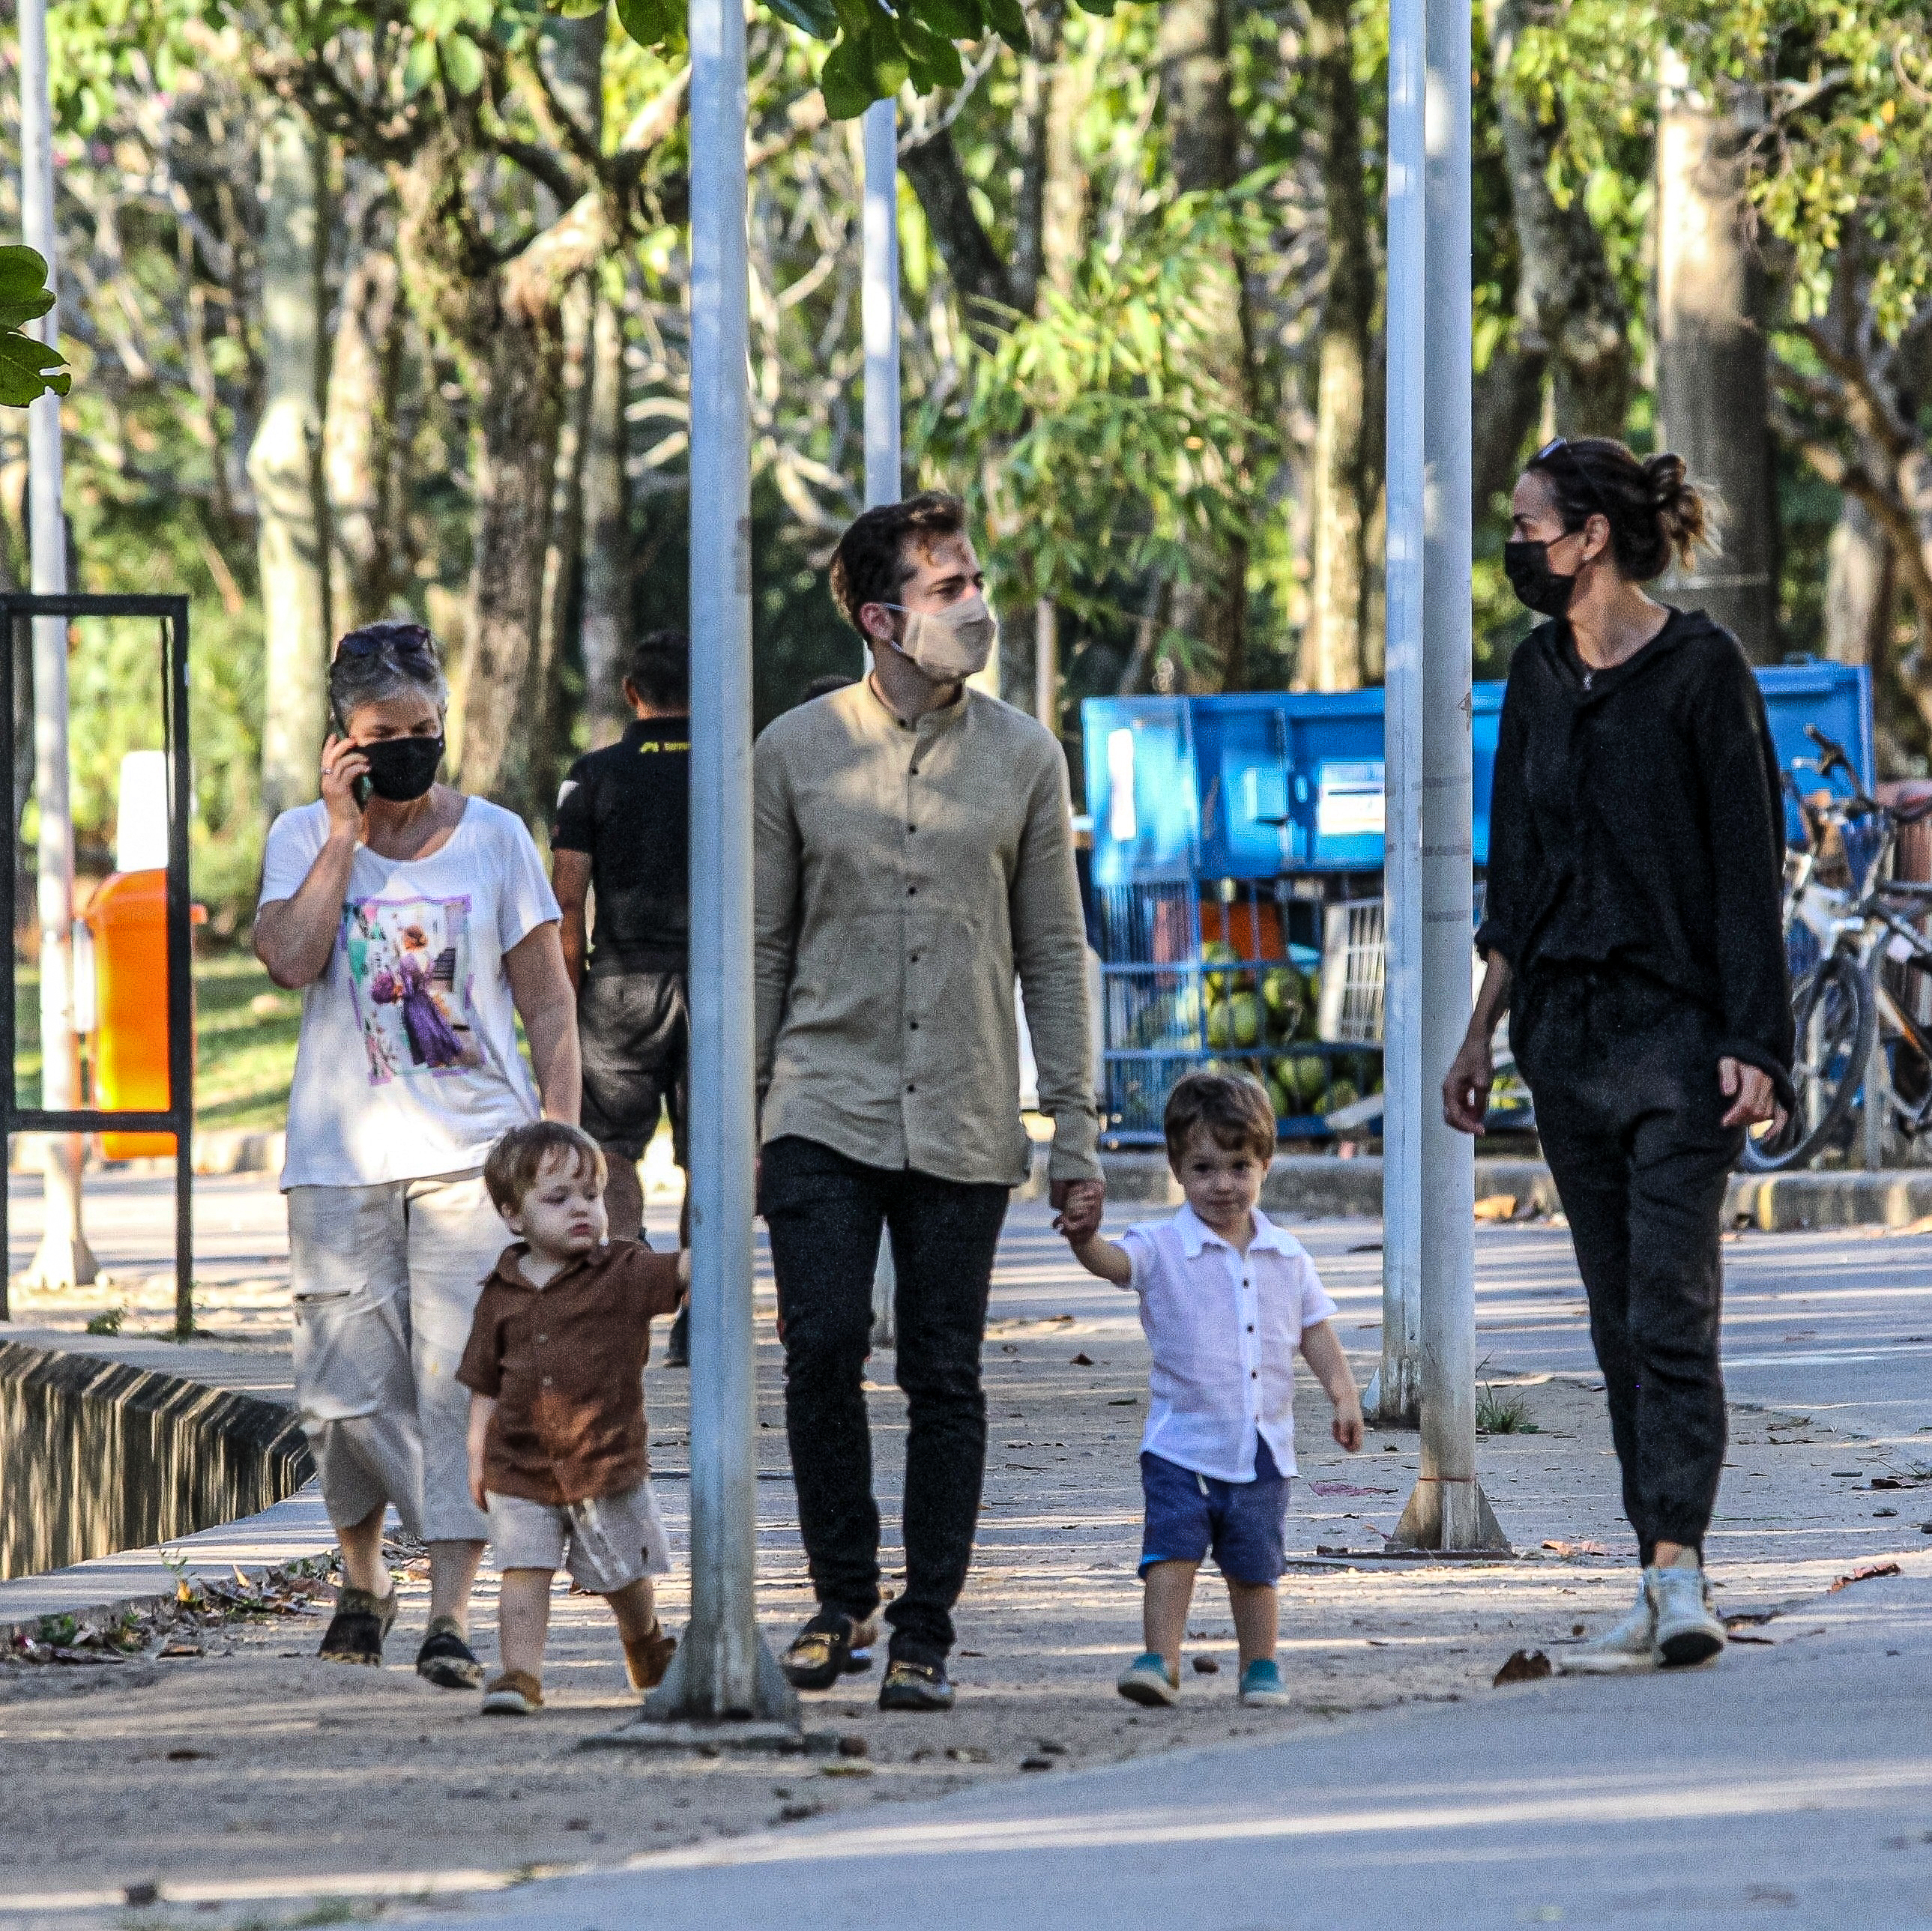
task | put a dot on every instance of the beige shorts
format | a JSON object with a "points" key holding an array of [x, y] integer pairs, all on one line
{"points": [[386, 1281], [606, 1544]]}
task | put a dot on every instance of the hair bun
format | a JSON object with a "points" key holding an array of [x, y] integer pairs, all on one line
{"points": [[1665, 475]]}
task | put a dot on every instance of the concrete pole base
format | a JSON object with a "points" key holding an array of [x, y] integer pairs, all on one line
{"points": [[683, 1736], [1448, 1516], [696, 1691], [885, 1296], [62, 1260], [1398, 1407]]}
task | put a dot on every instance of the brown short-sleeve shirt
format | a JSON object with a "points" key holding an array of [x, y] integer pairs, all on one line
{"points": [[564, 1363]]}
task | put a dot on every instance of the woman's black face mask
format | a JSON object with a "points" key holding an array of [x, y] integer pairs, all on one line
{"points": [[402, 769], [1526, 564]]}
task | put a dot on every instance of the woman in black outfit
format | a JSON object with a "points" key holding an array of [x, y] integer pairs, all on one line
{"points": [[1633, 932]]}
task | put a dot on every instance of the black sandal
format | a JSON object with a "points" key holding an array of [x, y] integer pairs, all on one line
{"points": [[830, 1646], [445, 1660], [915, 1686], [355, 1632]]}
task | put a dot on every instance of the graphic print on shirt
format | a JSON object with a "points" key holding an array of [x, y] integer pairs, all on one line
{"points": [[410, 975]]}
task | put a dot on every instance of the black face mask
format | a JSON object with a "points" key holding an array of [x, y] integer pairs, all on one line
{"points": [[402, 769], [1542, 589]]}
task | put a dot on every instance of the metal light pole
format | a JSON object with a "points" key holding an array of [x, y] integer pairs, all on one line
{"points": [[722, 1671], [879, 305], [63, 1259], [879, 315], [1395, 1394], [1447, 1510]]}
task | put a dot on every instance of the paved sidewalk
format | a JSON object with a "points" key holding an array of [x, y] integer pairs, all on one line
{"points": [[256, 1773], [1792, 1783]]}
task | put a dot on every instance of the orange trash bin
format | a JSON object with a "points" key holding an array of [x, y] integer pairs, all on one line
{"points": [[128, 918]]}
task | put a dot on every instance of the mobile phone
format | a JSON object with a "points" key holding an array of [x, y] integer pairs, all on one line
{"points": [[359, 788]]}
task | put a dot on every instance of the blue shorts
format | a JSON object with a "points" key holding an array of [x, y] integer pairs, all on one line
{"points": [[1243, 1524]]}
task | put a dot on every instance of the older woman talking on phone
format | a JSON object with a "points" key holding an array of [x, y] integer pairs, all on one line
{"points": [[419, 927], [1634, 934]]}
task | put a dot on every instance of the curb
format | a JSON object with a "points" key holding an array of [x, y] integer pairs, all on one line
{"points": [[142, 1580], [1319, 1187]]}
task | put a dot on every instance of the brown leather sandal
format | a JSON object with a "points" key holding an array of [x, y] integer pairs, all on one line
{"points": [[649, 1657]]}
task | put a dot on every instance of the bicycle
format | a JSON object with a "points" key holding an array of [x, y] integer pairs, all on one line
{"points": [[1848, 928]]}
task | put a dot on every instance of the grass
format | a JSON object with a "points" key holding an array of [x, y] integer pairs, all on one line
{"points": [[1501, 1414], [245, 1032]]}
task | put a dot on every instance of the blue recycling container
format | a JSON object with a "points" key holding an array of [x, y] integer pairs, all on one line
{"points": [[1222, 825]]}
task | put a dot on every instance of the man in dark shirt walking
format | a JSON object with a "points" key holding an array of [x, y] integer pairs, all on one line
{"points": [[623, 830]]}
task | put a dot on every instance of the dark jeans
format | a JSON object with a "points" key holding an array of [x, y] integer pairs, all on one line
{"points": [[824, 1212], [1625, 1074]]}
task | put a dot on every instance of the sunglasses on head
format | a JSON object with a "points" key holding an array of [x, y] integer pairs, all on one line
{"points": [[1559, 446], [410, 641]]}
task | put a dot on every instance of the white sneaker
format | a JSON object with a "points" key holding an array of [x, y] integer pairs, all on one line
{"points": [[1630, 1646], [1688, 1628]]}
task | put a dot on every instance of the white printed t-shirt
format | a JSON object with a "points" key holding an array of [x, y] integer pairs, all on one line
{"points": [[408, 1065], [1224, 1328]]}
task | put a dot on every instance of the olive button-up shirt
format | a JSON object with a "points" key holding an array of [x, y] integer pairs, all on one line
{"points": [[905, 874]]}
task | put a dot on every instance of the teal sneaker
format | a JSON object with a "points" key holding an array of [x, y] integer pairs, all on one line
{"points": [[1148, 1680], [1262, 1686]]}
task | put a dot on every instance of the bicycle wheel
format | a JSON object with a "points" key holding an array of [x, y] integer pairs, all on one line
{"points": [[1835, 1016]]}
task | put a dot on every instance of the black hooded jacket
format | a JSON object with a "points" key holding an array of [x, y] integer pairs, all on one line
{"points": [[1637, 823]]}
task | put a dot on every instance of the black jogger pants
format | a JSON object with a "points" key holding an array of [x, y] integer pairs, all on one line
{"points": [[1624, 1075]]}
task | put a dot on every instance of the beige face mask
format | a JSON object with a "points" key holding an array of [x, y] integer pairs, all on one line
{"points": [[951, 644]]}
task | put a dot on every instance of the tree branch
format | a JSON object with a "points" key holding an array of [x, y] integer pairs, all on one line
{"points": [[932, 166]]}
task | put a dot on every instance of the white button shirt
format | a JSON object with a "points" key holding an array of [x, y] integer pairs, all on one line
{"points": [[1224, 1327]]}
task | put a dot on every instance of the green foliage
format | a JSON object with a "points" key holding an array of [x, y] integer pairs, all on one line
{"points": [[1121, 449], [875, 50], [28, 369]]}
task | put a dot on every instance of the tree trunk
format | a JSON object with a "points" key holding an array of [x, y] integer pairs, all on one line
{"points": [[1860, 589], [504, 324], [1036, 114], [1332, 654], [932, 166], [1507, 401], [1568, 308], [368, 566], [284, 466], [1712, 388], [607, 533], [549, 711], [1203, 135]]}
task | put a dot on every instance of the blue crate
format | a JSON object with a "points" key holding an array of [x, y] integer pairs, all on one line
{"points": [[1156, 991], [1250, 785]]}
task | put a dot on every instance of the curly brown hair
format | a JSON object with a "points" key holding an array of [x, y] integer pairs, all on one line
{"points": [[872, 562]]}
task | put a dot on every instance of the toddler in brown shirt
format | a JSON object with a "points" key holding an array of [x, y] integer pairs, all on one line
{"points": [[554, 1366]]}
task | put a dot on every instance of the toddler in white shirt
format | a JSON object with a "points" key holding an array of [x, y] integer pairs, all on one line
{"points": [[1226, 1299]]}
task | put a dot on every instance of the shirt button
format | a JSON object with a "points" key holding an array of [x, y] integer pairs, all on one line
{"points": [[912, 1089], [913, 1024], [546, 1381], [543, 1337], [1251, 1327], [912, 891], [1254, 1373], [912, 828], [915, 958], [915, 771]]}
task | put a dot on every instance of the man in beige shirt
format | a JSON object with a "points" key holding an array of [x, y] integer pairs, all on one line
{"points": [[914, 854]]}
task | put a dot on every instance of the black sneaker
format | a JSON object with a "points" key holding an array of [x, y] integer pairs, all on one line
{"points": [[677, 1344], [915, 1686], [355, 1631], [830, 1646], [445, 1660]]}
